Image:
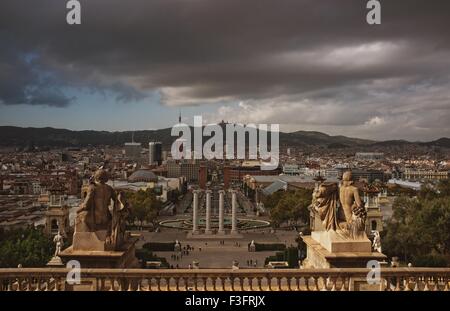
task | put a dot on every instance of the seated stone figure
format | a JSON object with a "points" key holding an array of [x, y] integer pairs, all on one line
{"points": [[96, 227], [340, 208], [94, 214]]}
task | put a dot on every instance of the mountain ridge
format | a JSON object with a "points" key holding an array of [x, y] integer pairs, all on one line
{"points": [[56, 137]]}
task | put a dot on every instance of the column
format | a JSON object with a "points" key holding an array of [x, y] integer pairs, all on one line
{"points": [[221, 201], [208, 212], [233, 212], [195, 212]]}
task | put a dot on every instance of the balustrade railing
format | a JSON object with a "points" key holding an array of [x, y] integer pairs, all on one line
{"points": [[390, 279]]}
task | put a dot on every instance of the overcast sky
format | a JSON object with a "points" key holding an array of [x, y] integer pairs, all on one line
{"points": [[305, 64]]}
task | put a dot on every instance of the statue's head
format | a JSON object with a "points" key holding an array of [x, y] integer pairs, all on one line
{"points": [[347, 176], [101, 176]]}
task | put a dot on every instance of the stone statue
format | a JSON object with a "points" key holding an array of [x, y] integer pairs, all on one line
{"points": [[376, 245], [94, 213], [177, 246], [59, 242], [102, 213], [252, 247], [340, 208]]}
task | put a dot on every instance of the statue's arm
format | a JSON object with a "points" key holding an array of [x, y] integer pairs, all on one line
{"points": [[88, 201], [358, 201]]}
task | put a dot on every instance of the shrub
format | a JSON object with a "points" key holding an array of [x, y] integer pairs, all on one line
{"points": [[261, 247], [431, 260], [279, 256], [145, 255], [290, 255], [159, 246]]}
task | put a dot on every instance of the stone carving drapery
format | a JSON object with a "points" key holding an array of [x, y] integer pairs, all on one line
{"points": [[325, 205]]}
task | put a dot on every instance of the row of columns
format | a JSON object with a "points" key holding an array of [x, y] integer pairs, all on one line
{"points": [[221, 229]]}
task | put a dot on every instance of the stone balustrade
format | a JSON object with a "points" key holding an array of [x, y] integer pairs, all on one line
{"points": [[391, 279]]}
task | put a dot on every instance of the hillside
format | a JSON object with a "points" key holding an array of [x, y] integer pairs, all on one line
{"points": [[19, 136]]}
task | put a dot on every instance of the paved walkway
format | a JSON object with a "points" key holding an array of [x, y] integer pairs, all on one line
{"points": [[215, 255]]}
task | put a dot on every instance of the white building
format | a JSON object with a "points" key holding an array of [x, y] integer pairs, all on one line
{"points": [[369, 156], [291, 169]]}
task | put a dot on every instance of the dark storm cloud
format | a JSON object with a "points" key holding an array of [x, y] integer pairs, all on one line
{"points": [[23, 82], [307, 54]]}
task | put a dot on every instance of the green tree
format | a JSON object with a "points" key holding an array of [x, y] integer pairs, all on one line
{"points": [[144, 206], [271, 201], [292, 206], [419, 230], [29, 247]]}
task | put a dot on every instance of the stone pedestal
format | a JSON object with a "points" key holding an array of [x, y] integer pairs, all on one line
{"points": [[89, 241], [55, 262], [329, 250], [124, 258], [335, 243]]}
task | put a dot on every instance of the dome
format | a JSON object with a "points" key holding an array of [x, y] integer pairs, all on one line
{"points": [[143, 176]]}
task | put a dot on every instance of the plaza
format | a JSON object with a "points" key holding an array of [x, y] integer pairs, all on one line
{"points": [[210, 253]]}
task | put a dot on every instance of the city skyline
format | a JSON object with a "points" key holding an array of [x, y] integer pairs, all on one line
{"points": [[305, 66]]}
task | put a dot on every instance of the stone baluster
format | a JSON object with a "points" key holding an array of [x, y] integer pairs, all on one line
{"points": [[240, 280], [259, 283], [297, 281]]}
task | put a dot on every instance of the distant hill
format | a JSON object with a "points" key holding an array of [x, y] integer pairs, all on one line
{"points": [[19, 136], [441, 142], [391, 143], [320, 139]]}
